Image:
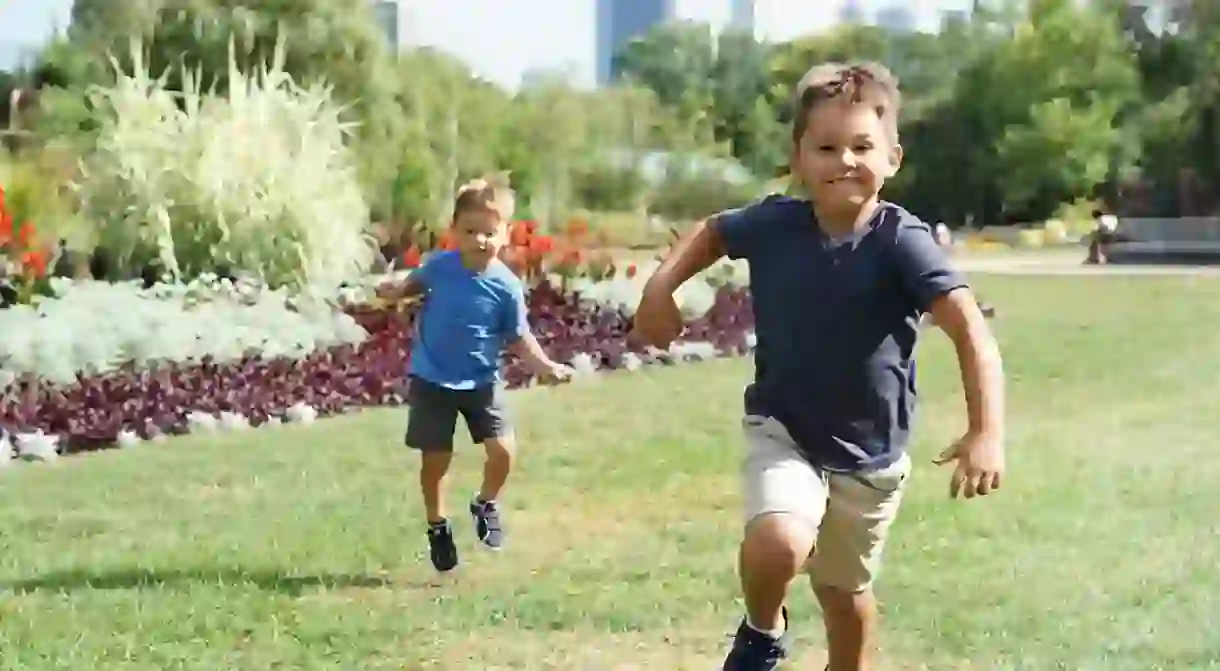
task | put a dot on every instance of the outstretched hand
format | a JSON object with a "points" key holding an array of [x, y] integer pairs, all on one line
{"points": [[557, 374], [980, 464]]}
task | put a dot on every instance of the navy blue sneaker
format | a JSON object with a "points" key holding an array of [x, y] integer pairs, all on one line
{"points": [[487, 525], [441, 546], [756, 651]]}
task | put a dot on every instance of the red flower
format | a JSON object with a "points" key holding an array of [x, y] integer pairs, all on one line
{"points": [[412, 257], [631, 271], [6, 227], [447, 242], [34, 264], [541, 244], [27, 235]]}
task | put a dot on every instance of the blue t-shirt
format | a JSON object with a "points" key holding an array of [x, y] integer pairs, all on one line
{"points": [[836, 323], [467, 319]]}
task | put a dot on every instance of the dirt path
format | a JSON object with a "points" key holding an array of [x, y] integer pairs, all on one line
{"points": [[1058, 263]]}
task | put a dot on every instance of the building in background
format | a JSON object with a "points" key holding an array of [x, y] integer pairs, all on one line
{"points": [[897, 17], [853, 12], [388, 17], [619, 22], [741, 16]]}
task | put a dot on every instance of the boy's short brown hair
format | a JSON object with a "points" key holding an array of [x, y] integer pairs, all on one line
{"points": [[491, 192], [868, 82]]}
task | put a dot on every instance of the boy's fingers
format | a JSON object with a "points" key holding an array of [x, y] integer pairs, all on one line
{"points": [[956, 482]]}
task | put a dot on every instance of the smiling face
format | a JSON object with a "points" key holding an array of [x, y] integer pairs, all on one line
{"points": [[845, 154]]}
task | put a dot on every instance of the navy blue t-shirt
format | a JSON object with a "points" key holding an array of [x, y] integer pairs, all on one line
{"points": [[836, 322]]}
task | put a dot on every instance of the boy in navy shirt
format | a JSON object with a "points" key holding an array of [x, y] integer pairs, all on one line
{"points": [[840, 280], [474, 308]]}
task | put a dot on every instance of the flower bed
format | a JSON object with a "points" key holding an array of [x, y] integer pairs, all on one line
{"points": [[101, 365]]}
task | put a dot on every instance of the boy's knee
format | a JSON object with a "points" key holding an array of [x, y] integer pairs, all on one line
{"points": [[503, 447], [777, 544]]}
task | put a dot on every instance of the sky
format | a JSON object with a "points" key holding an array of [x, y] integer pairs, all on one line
{"points": [[504, 39]]}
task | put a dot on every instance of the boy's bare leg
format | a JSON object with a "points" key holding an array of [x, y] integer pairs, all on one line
{"points": [[500, 453], [774, 550], [850, 618], [433, 467]]}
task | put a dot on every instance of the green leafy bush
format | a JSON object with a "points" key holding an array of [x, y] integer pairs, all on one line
{"points": [[259, 180]]}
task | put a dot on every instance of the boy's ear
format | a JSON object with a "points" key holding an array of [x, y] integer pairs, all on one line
{"points": [[895, 161]]}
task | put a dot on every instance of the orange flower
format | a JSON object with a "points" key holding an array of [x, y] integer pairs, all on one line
{"points": [[6, 227], [519, 234], [34, 264], [448, 241], [578, 227], [631, 271], [412, 257], [573, 257], [27, 235]]}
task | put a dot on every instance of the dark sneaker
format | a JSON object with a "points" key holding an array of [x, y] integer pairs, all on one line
{"points": [[756, 651], [441, 546], [487, 526]]}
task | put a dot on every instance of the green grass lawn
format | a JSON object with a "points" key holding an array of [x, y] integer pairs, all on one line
{"points": [[303, 547]]}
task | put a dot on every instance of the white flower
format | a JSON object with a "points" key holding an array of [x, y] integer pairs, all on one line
{"points": [[6, 450], [302, 414], [128, 439], [201, 422], [632, 361], [37, 446], [232, 421]]}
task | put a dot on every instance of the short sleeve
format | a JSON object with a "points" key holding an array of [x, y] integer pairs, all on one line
{"points": [[741, 229], [923, 267], [515, 314], [425, 273]]}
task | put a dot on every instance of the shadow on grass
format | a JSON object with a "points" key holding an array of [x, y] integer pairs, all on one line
{"points": [[140, 579]]}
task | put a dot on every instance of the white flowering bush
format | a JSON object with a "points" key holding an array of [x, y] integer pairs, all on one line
{"points": [[259, 180], [93, 328]]}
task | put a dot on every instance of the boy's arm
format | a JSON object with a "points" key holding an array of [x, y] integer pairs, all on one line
{"points": [[414, 286], [733, 233], [527, 348], [958, 315], [942, 292], [521, 341], [694, 252]]}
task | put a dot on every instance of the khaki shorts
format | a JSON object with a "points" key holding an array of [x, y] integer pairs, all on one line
{"points": [[852, 512]]}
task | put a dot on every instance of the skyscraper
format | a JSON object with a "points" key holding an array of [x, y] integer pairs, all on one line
{"points": [[619, 22], [852, 12], [897, 17], [386, 12], [741, 16]]}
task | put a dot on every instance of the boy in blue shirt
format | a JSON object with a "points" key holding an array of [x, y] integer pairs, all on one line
{"points": [[474, 308], [840, 280]]}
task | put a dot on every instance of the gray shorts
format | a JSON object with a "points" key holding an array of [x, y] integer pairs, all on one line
{"points": [[432, 418]]}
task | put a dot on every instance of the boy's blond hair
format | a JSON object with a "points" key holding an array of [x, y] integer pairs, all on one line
{"points": [[866, 82], [488, 193]]}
